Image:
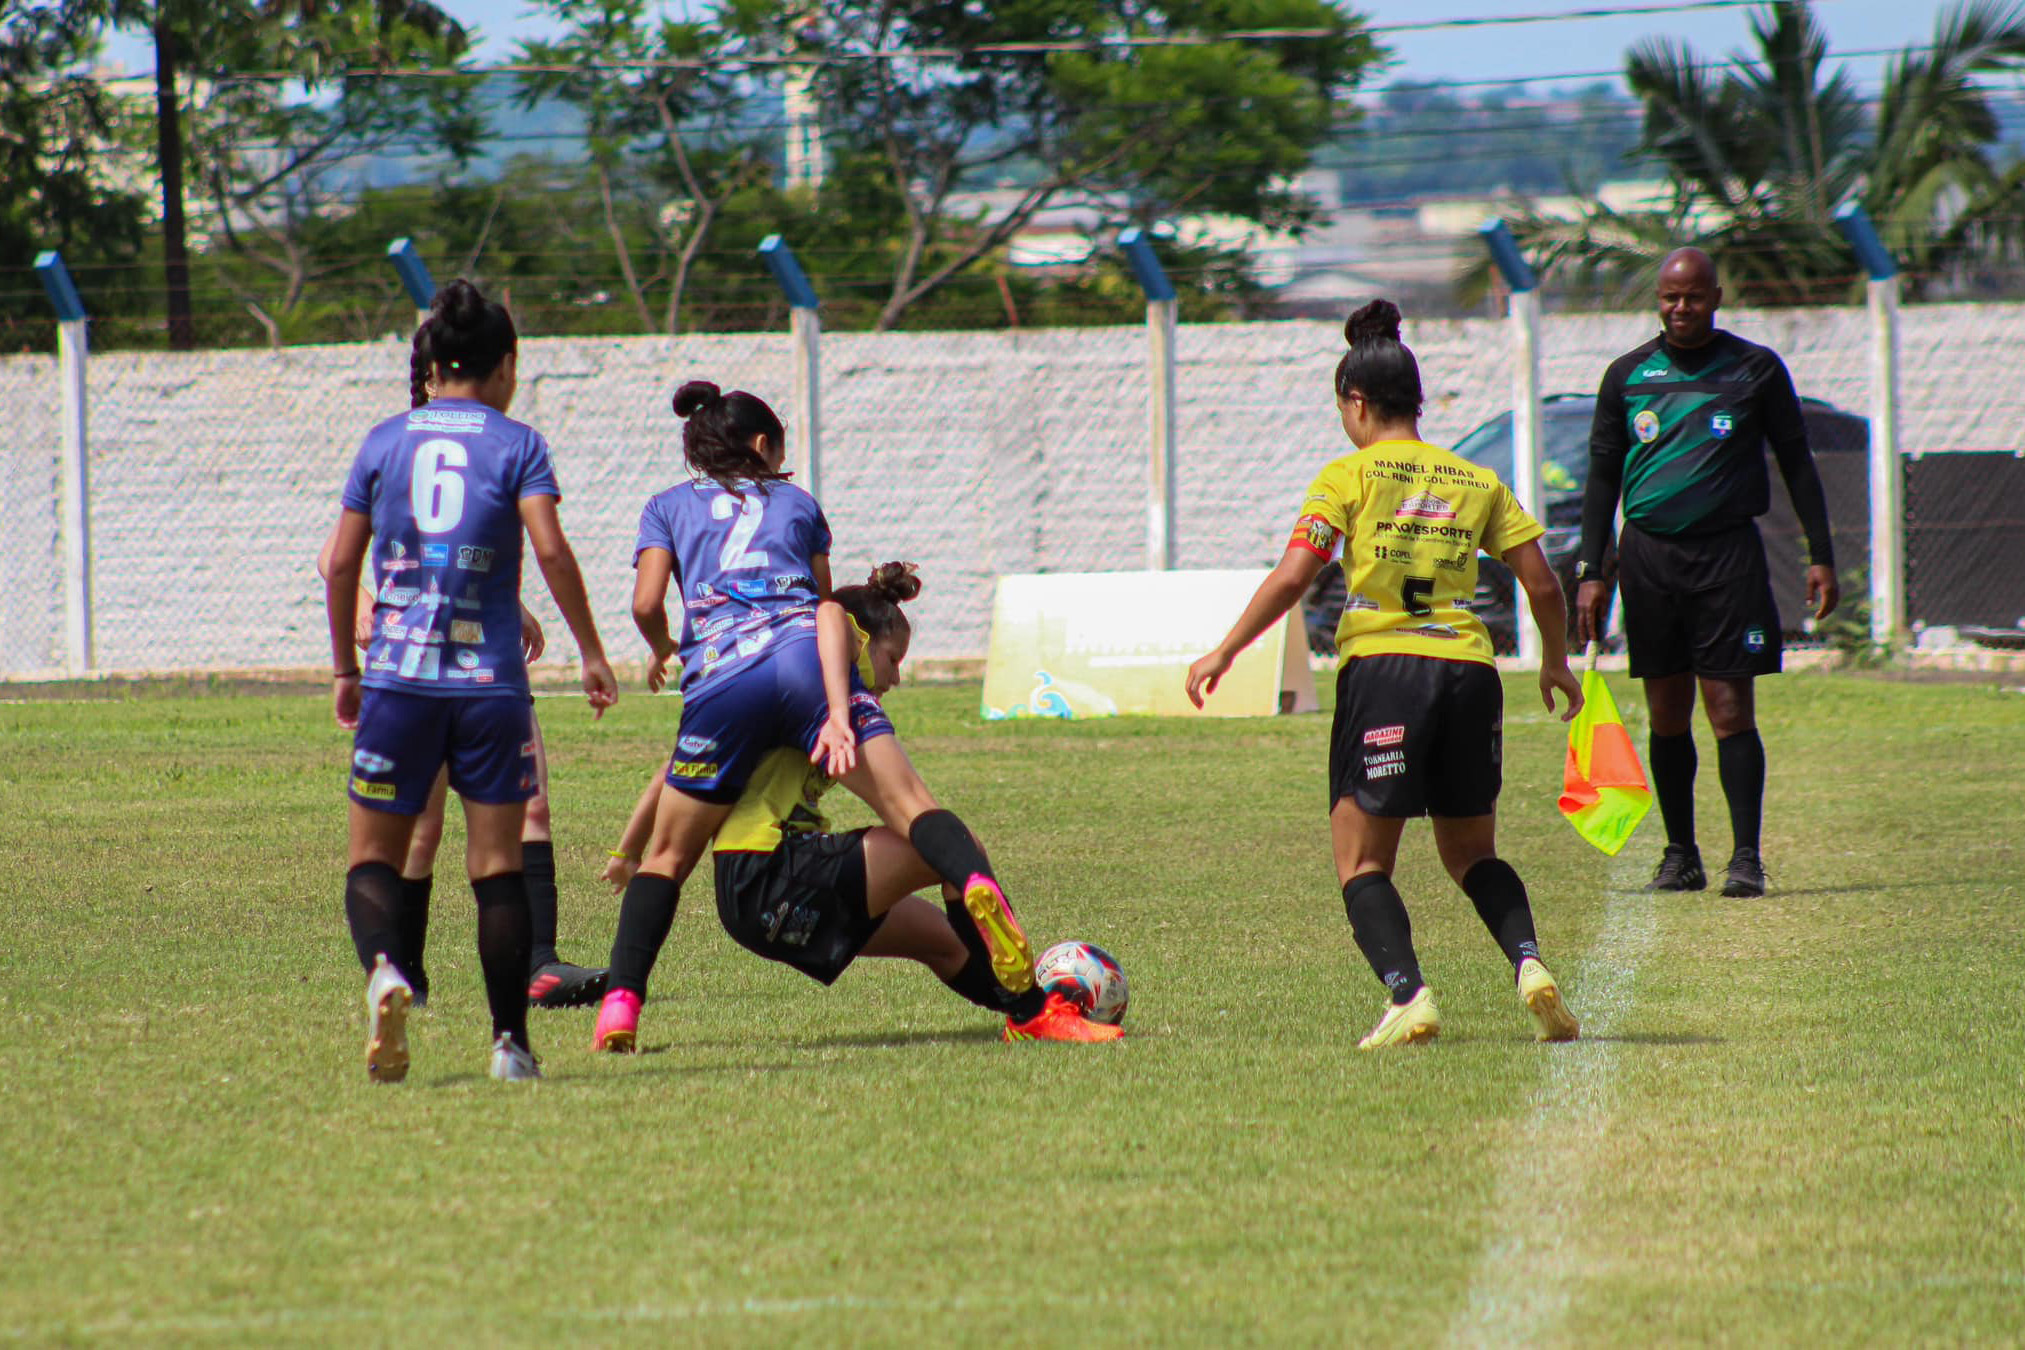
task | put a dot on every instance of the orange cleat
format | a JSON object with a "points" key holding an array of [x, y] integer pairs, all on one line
{"points": [[1061, 1020]]}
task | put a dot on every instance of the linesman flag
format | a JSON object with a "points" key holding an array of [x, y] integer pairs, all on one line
{"points": [[1604, 794]]}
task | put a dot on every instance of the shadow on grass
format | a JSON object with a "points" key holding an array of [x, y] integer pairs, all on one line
{"points": [[1655, 1038], [596, 1078], [874, 1039]]}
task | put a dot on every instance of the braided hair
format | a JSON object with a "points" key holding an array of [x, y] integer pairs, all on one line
{"points": [[718, 430], [420, 366]]}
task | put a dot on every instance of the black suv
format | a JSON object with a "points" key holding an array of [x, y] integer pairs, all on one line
{"points": [[1840, 441]]}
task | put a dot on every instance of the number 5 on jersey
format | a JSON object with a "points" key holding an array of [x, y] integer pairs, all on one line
{"points": [[435, 488], [735, 556]]}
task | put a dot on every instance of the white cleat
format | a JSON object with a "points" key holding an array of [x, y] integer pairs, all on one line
{"points": [[512, 1062], [388, 998]]}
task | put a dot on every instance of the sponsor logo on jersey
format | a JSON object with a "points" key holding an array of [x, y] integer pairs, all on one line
{"points": [[383, 792], [1721, 425], [692, 769], [1456, 564], [368, 762], [421, 663], [393, 631], [710, 628], [1425, 506], [466, 630], [432, 597], [1645, 426], [748, 646], [482, 675], [1392, 735], [1754, 640], [1433, 630], [527, 749], [751, 590], [382, 663], [455, 420], [696, 745], [435, 555], [1385, 764], [1658, 372], [707, 597], [1359, 600], [467, 659], [782, 585], [397, 559], [400, 597], [472, 558]]}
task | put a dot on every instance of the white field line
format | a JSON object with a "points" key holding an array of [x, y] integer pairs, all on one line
{"points": [[1522, 1288]]}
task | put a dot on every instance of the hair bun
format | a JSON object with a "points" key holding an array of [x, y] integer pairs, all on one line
{"points": [[695, 396], [896, 581], [1376, 322], [459, 304]]}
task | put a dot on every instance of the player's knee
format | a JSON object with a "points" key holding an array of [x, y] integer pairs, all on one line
{"points": [[534, 827]]}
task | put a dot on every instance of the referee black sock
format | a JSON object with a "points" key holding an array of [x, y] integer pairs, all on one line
{"points": [[1673, 782], [373, 912], [645, 915], [1740, 763], [503, 943], [976, 984], [1493, 886], [537, 865], [1384, 934], [414, 925]]}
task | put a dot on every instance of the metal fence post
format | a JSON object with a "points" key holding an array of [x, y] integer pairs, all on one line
{"points": [[1526, 416], [1163, 313], [414, 275], [1887, 470], [805, 326], [75, 496]]}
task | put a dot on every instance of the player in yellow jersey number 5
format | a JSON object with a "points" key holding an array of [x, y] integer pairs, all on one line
{"points": [[1419, 710]]}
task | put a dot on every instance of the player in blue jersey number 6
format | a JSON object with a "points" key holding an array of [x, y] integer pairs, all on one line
{"points": [[443, 493], [1419, 710]]}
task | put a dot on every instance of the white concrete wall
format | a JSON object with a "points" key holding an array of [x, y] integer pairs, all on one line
{"points": [[215, 474]]}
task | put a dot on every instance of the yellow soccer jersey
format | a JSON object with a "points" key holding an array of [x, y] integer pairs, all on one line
{"points": [[783, 796], [1410, 517]]}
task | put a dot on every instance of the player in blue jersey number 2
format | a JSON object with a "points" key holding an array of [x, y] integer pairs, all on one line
{"points": [[443, 493]]}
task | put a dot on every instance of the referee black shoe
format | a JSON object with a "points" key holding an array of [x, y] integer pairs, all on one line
{"points": [[1680, 869], [1745, 876], [562, 985]]}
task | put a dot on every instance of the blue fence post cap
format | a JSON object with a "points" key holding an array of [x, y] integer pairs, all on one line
{"points": [[1138, 250], [62, 290], [794, 283], [1504, 249], [1870, 251], [414, 273]]}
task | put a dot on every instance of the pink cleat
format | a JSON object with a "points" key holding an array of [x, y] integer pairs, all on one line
{"points": [[618, 1022]]}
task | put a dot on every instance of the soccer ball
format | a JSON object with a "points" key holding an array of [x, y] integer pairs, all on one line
{"points": [[1087, 976]]}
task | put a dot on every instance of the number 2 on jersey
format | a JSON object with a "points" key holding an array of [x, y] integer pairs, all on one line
{"points": [[435, 488], [735, 556]]}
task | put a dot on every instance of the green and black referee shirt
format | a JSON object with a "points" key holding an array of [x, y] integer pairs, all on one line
{"points": [[1681, 433]]}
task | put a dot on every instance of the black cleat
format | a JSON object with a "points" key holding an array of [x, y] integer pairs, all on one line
{"points": [[562, 985], [1680, 869], [1745, 876]]}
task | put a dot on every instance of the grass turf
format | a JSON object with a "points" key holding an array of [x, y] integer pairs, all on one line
{"points": [[1796, 1120]]}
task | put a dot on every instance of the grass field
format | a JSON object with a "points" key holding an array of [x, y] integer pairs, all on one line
{"points": [[1795, 1120]]}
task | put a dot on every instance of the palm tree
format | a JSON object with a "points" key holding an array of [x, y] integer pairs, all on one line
{"points": [[314, 40], [1760, 153]]}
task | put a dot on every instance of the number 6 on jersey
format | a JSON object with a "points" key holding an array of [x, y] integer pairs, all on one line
{"points": [[435, 488]]}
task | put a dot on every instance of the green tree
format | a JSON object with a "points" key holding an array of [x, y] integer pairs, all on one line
{"points": [[1142, 110], [1761, 153]]}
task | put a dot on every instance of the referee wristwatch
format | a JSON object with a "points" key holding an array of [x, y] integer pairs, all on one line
{"points": [[1587, 571]]}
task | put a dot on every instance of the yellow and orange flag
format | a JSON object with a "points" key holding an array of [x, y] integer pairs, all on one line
{"points": [[1604, 793]]}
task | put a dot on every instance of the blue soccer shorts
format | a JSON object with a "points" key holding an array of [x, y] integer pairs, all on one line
{"points": [[404, 738]]}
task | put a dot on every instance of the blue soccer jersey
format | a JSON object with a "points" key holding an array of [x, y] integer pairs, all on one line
{"points": [[742, 568], [443, 485]]}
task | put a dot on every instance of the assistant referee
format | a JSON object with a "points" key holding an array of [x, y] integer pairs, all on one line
{"points": [[1682, 423]]}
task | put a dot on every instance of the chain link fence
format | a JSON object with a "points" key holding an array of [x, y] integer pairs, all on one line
{"points": [[214, 475]]}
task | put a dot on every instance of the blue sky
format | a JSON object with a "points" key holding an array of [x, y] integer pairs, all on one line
{"points": [[1529, 52]]}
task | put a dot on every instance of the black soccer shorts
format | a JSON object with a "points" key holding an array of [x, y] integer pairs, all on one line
{"points": [[802, 905], [1417, 735], [1698, 603]]}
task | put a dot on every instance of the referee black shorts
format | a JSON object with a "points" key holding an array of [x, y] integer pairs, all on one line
{"points": [[1417, 735], [1698, 604], [803, 905]]}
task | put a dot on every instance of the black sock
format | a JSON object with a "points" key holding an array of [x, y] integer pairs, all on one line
{"points": [[1500, 897], [373, 911], [978, 985], [502, 951], [415, 892], [1673, 782], [1740, 763], [947, 846], [645, 915], [537, 865], [1384, 934]]}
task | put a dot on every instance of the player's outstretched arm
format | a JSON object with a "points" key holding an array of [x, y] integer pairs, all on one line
{"points": [[1550, 615], [837, 646], [1279, 592], [566, 584], [342, 557]]}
